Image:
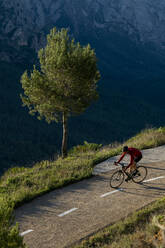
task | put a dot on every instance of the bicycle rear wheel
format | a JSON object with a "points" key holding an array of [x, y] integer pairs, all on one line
{"points": [[116, 179], [140, 175]]}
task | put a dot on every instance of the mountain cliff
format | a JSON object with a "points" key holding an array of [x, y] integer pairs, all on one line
{"points": [[25, 22]]}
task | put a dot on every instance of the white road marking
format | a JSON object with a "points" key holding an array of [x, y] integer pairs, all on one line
{"points": [[115, 191], [111, 192], [152, 179], [67, 212], [26, 232]]}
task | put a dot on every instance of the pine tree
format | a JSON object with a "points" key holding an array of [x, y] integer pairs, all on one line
{"points": [[66, 82]]}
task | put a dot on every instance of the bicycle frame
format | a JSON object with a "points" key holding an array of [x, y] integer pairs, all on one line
{"points": [[123, 165], [130, 174], [137, 176]]}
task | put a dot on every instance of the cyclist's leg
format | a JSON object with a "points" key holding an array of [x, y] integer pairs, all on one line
{"points": [[137, 159], [134, 167], [128, 173]]}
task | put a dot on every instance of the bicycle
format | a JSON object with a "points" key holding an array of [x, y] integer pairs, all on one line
{"points": [[137, 176]]}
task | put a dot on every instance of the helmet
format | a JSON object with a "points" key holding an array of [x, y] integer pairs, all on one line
{"points": [[125, 148]]}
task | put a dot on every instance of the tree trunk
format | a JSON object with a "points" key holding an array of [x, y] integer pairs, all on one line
{"points": [[65, 135]]}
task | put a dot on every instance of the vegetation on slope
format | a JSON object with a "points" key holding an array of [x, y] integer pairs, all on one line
{"points": [[9, 233], [21, 184]]}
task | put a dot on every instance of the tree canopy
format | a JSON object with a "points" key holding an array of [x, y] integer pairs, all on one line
{"points": [[66, 82]]}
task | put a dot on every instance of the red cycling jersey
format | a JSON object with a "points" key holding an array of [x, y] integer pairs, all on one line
{"points": [[133, 152]]}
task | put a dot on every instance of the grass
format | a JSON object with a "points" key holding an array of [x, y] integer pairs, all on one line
{"points": [[136, 231], [9, 233], [19, 184]]}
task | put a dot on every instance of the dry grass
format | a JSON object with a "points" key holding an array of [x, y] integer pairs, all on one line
{"points": [[148, 138]]}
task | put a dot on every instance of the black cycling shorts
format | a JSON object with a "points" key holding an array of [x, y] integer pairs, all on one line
{"points": [[137, 159]]}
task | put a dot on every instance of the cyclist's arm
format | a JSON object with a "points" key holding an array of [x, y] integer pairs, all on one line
{"points": [[122, 156]]}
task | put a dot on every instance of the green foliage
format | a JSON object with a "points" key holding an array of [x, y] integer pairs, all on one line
{"points": [[85, 148], [151, 137], [9, 233], [67, 80], [161, 219], [66, 83]]}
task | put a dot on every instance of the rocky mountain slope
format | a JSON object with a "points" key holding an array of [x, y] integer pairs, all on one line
{"points": [[24, 22]]}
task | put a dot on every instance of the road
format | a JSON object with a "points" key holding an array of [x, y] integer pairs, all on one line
{"points": [[64, 216]]}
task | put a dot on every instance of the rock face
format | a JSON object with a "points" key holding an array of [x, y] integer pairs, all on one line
{"points": [[25, 22]]}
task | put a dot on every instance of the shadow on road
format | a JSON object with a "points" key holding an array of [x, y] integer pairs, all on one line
{"points": [[57, 199], [155, 168], [79, 193], [149, 190]]}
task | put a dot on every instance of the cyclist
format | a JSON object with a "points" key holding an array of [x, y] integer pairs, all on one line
{"points": [[135, 156]]}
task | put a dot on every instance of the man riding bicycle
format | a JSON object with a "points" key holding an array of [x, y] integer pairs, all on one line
{"points": [[135, 156]]}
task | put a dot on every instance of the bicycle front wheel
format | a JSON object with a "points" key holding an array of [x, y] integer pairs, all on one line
{"points": [[116, 179], [140, 174]]}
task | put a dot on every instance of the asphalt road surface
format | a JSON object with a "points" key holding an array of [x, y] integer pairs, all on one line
{"points": [[65, 216]]}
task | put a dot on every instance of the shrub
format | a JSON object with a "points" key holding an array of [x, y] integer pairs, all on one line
{"points": [[9, 233], [86, 147]]}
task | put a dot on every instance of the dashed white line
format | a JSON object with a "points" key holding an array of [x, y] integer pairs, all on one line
{"points": [[152, 179], [115, 191], [111, 192], [26, 232], [67, 212], [103, 195]]}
